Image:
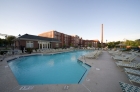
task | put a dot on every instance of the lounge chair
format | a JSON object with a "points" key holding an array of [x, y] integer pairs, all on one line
{"points": [[131, 58], [2, 57], [93, 55], [117, 53], [132, 65], [127, 58], [138, 54], [112, 52], [133, 78], [128, 87], [9, 53], [132, 71], [90, 55], [122, 58], [131, 52], [97, 54]]}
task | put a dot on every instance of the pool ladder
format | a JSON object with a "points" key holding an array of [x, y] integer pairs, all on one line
{"points": [[84, 58]]}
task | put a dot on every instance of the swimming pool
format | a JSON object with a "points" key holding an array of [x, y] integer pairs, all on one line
{"points": [[61, 68]]}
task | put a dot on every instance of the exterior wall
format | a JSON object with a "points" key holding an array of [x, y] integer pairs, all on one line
{"points": [[49, 34], [16, 44], [66, 40], [75, 40], [53, 34], [72, 41], [69, 40], [63, 38], [36, 44], [91, 43], [53, 45], [20, 43], [83, 43], [80, 42]]}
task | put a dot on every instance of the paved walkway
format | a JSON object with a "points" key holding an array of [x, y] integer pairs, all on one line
{"points": [[104, 76]]}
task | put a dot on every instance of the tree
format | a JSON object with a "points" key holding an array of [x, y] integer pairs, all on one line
{"points": [[1, 42], [113, 44], [118, 42], [71, 45], [5, 42], [137, 42], [98, 45], [89, 45], [131, 43], [10, 40]]}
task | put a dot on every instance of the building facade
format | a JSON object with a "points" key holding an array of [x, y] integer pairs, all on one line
{"points": [[35, 42], [70, 40], [91, 43], [65, 40]]}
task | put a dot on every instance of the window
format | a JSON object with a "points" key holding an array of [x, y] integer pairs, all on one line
{"points": [[29, 44]]}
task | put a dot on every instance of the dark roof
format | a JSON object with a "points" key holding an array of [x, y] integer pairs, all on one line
{"points": [[33, 37]]}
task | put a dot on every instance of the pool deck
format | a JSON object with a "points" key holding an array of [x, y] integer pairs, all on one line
{"points": [[104, 76]]}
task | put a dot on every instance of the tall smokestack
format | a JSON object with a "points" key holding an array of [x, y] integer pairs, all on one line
{"points": [[102, 37]]}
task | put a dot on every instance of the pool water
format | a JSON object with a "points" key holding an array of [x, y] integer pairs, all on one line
{"points": [[61, 68]]}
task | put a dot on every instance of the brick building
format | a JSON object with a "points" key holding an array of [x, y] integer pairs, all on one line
{"points": [[91, 43], [70, 40], [65, 40], [35, 42]]}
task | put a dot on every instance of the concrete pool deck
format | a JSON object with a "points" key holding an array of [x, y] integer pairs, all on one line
{"points": [[104, 76]]}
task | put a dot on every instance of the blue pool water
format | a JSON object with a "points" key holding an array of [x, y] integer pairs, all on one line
{"points": [[61, 68]]}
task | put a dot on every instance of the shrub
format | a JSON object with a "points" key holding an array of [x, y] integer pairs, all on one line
{"points": [[29, 50]]}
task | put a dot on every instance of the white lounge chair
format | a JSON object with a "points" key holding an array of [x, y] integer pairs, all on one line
{"points": [[1, 57], [112, 52], [98, 53], [117, 57], [132, 65], [117, 53], [132, 52], [133, 78], [129, 88], [129, 59], [132, 71], [91, 55], [138, 54]]}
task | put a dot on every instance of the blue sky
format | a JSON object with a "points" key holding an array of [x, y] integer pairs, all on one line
{"points": [[121, 18]]}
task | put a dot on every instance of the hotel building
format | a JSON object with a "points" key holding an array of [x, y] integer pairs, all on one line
{"points": [[69, 40]]}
